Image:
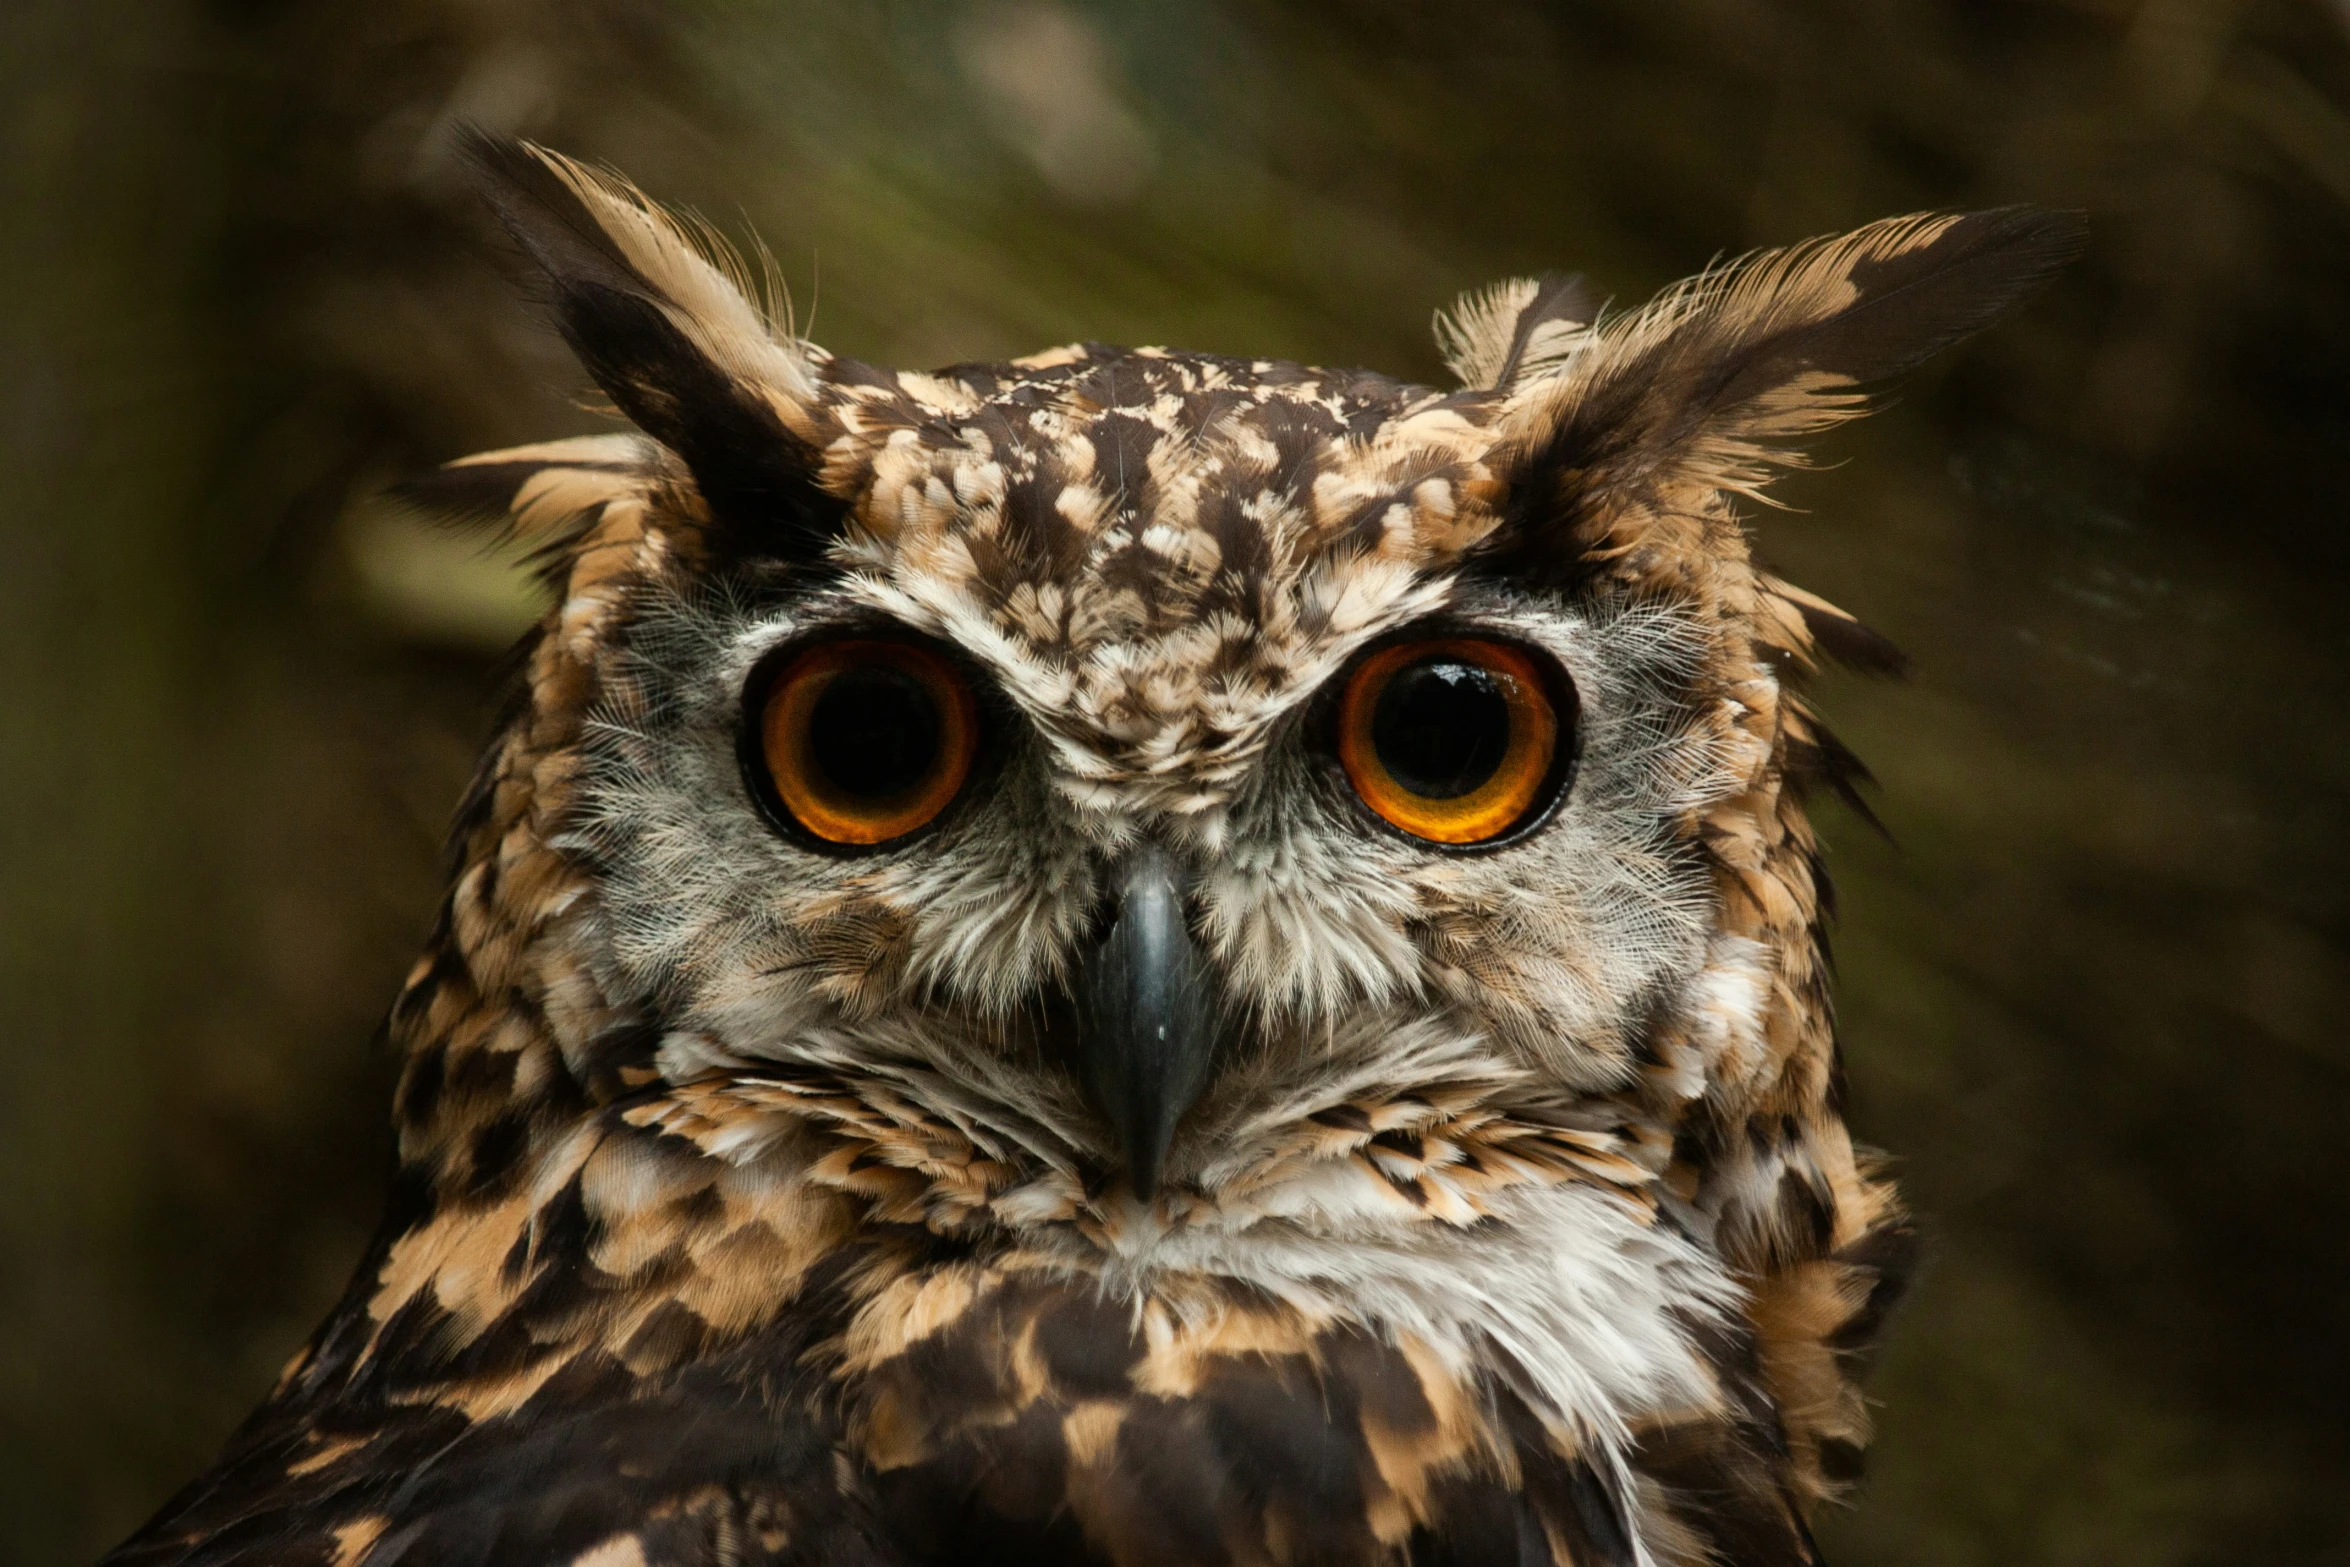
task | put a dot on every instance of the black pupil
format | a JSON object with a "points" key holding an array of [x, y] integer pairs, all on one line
{"points": [[874, 732], [1441, 727]]}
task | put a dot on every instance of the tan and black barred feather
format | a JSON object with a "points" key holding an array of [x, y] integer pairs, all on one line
{"points": [[745, 1213]]}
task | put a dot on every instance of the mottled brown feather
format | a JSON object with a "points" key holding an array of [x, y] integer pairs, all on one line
{"points": [[642, 1300]]}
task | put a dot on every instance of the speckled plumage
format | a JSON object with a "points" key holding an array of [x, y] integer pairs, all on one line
{"points": [[748, 1210]]}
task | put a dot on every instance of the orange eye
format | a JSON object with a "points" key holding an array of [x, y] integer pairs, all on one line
{"points": [[1453, 739], [864, 741]]}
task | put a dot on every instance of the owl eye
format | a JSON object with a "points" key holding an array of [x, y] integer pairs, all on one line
{"points": [[864, 741], [1457, 740]]}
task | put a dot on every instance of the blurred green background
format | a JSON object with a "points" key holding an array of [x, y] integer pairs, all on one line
{"points": [[2092, 988]]}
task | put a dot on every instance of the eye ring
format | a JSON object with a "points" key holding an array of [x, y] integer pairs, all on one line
{"points": [[857, 742], [1461, 741]]}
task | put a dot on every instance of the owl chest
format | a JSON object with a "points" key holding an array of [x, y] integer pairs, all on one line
{"points": [[1419, 1414], [1055, 1425]]}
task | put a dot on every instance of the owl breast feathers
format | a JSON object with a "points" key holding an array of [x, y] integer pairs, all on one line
{"points": [[1130, 957]]}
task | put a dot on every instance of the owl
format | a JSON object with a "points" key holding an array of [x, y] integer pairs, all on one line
{"points": [[1130, 957]]}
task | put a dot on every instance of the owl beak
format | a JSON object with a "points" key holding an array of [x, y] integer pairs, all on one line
{"points": [[1148, 1015]]}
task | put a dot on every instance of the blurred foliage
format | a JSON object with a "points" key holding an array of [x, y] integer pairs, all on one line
{"points": [[2092, 988]]}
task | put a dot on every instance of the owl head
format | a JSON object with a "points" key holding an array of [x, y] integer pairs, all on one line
{"points": [[1113, 780]]}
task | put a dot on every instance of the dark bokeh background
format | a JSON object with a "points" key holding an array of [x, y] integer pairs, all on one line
{"points": [[2093, 988]]}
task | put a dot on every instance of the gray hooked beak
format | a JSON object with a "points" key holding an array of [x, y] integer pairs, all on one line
{"points": [[1148, 1017]]}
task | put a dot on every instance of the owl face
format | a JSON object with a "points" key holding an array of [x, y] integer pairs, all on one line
{"points": [[1146, 771], [1396, 819]]}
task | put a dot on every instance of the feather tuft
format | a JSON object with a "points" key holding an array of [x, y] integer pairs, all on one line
{"points": [[1705, 391], [708, 290], [661, 313], [1520, 329]]}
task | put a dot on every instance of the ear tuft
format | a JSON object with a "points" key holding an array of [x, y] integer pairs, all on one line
{"points": [[661, 315], [1881, 299], [584, 224], [1700, 393], [1517, 330]]}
